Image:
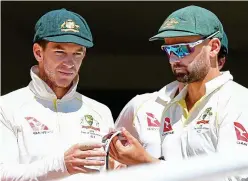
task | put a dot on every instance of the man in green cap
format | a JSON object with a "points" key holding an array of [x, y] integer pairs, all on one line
{"points": [[144, 111], [208, 115], [48, 131]]}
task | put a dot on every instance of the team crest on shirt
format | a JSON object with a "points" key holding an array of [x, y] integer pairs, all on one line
{"points": [[202, 125], [90, 126], [37, 127], [167, 126], [241, 133], [152, 122]]}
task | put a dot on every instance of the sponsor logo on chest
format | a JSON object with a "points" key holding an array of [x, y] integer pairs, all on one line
{"points": [[37, 127], [167, 127], [152, 122]]}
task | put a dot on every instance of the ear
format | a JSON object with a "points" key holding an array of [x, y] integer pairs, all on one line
{"points": [[215, 47], [38, 52]]}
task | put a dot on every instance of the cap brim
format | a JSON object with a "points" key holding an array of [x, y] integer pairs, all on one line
{"points": [[169, 34], [70, 39]]}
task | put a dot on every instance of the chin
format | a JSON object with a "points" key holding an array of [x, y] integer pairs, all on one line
{"points": [[183, 78], [63, 84]]}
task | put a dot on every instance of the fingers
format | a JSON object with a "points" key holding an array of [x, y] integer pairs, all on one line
{"points": [[81, 155], [83, 147], [127, 135], [118, 145], [90, 153], [120, 166], [89, 170], [84, 170], [86, 162], [115, 165], [113, 152], [111, 163]]}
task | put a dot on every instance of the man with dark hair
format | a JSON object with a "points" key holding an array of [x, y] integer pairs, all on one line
{"points": [[208, 115], [49, 131], [141, 115]]}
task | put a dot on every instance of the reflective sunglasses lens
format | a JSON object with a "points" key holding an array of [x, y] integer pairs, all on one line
{"points": [[166, 49], [181, 50], [178, 50]]}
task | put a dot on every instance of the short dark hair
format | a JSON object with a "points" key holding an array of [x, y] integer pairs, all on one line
{"points": [[222, 53], [42, 43]]}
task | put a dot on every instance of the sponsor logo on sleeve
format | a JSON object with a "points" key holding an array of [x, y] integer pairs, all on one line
{"points": [[241, 133]]}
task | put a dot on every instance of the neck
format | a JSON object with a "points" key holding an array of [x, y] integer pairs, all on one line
{"points": [[197, 90], [58, 91]]}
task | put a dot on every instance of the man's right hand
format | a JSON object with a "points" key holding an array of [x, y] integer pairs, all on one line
{"points": [[129, 151], [75, 158]]}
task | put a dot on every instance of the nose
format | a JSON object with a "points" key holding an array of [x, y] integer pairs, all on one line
{"points": [[174, 59], [68, 62]]}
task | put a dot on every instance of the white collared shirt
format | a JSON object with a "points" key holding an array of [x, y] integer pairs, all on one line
{"points": [[36, 129], [216, 123]]}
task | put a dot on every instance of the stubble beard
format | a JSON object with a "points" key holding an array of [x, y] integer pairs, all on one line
{"points": [[196, 71]]}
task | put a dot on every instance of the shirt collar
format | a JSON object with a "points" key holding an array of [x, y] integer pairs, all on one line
{"points": [[167, 93], [42, 90], [211, 86]]}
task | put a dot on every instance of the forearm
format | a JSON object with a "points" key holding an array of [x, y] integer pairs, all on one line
{"points": [[48, 168]]}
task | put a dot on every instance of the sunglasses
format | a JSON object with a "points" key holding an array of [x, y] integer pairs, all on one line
{"points": [[183, 49]]}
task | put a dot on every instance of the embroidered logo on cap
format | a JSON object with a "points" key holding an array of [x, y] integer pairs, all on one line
{"points": [[170, 23], [69, 25]]}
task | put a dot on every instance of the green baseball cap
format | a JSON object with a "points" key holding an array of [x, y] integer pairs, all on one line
{"points": [[63, 26], [224, 42], [189, 21]]}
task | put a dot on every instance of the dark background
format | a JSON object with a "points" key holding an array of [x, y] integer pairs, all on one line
{"points": [[123, 63]]}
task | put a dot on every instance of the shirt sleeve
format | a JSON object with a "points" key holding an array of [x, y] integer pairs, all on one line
{"points": [[48, 168], [110, 118], [233, 136], [127, 116]]}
